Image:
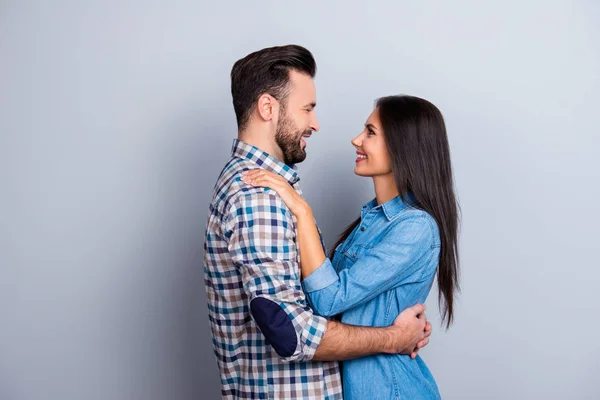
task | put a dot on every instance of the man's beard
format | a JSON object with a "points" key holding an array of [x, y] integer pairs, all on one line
{"points": [[288, 139]]}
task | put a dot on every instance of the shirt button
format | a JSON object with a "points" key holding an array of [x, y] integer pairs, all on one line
{"points": [[362, 229], [354, 255]]}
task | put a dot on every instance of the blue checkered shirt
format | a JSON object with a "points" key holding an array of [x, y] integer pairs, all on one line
{"points": [[264, 332]]}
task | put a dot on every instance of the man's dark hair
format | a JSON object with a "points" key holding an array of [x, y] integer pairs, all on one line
{"points": [[266, 71]]}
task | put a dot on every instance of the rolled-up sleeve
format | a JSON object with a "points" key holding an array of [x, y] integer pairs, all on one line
{"points": [[262, 245], [401, 256]]}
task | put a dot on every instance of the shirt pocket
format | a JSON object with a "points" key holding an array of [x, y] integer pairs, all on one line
{"points": [[355, 251]]}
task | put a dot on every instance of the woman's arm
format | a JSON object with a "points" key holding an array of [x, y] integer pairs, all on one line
{"points": [[401, 256], [312, 255], [309, 241]]}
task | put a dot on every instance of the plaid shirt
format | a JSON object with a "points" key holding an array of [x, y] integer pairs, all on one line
{"points": [[264, 332]]}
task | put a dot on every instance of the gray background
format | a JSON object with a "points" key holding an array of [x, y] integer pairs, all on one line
{"points": [[116, 118]]}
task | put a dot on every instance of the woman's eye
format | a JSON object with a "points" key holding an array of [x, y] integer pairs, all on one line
{"points": [[370, 132]]}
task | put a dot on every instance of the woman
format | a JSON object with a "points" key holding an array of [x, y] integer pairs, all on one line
{"points": [[387, 259]]}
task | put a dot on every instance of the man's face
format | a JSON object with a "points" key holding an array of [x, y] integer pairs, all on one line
{"points": [[297, 119]]}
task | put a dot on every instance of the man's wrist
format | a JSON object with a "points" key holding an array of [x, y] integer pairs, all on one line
{"points": [[394, 343]]}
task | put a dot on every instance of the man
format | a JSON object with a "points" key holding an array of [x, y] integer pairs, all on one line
{"points": [[268, 342]]}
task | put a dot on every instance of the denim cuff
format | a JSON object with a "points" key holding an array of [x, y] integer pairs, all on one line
{"points": [[322, 277]]}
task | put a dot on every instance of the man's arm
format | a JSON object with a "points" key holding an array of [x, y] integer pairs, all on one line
{"points": [[262, 244], [409, 333]]}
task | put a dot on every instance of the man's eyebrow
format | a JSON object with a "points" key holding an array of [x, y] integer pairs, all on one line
{"points": [[311, 105]]}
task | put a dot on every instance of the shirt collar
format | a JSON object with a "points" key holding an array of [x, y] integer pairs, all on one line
{"points": [[391, 208], [264, 160]]}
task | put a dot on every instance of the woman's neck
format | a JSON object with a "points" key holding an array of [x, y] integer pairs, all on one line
{"points": [[385, 188]]}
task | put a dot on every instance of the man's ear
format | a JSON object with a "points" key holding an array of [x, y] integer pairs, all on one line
{"points": [[267, 107]]}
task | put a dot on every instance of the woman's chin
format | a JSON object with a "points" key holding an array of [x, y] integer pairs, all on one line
{"points": [[357, 171]]}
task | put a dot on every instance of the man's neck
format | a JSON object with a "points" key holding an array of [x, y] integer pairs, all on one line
{"points": [[261, 141]]}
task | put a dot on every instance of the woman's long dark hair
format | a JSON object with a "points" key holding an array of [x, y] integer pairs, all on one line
{"points": [[416, 139]]}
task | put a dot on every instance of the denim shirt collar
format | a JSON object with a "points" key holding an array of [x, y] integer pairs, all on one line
{"points": [[246, 151], [391, 208]]}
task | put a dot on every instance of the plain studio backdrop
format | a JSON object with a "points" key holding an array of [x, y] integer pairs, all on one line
{"points": [[116, 119]]}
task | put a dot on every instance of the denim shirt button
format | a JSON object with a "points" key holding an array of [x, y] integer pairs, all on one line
{"points": [[362, 229]]}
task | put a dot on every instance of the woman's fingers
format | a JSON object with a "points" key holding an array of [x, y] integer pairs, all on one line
{"points": [[261, 177], [253, 173], [263, 180], [258, 172], [270, 180], [278, 183]]}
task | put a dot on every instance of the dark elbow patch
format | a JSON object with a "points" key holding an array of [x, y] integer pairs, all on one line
{"points": [[275, 325]]}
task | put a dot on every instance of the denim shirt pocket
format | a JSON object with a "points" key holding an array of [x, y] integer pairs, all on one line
{"points": [[354, 251]]}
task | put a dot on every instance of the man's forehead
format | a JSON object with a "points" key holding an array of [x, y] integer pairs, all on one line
{"points": [[303, 85]]}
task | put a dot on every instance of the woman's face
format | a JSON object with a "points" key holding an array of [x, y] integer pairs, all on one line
{"points": [[373, 158]]}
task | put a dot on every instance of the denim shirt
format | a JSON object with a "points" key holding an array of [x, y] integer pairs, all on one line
{"points": [[386, 265]]}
